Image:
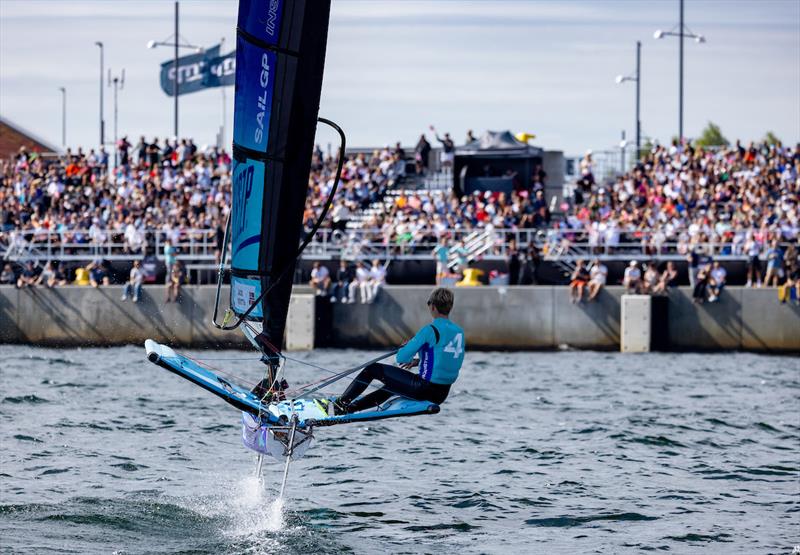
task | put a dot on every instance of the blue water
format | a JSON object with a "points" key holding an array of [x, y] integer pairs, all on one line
{"points": [[568, 452]]}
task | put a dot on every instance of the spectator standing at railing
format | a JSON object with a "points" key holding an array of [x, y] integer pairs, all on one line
{"points": [[169, 259], [360, 284], [377, 279], [774, 264], [442, 253], [753, 249], [133, 287], [513, 262], [448, 154]]}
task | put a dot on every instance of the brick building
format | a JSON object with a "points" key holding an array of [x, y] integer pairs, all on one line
{"points": [[12, 137]]}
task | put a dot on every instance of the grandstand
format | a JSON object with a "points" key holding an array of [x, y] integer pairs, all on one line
{"points": [[727, 203]]}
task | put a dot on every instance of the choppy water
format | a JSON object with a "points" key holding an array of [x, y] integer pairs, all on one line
{"points": [[569, 452]]}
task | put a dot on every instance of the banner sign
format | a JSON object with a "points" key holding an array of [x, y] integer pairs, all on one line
{"points": [[197, 72]]}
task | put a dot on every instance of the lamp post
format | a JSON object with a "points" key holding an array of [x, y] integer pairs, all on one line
{"points": [[63, 115], [638, 79], [683, 32], [175, 44], [118, 83], [102, 74]]}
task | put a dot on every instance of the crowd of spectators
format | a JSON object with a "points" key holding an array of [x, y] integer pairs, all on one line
{"points": [[732, 200], [701, 203]]}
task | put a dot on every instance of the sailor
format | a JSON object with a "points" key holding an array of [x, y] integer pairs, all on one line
{"points": [[440, 346]]}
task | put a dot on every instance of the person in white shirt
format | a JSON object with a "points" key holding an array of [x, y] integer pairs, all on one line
{"points": [[377, 279], [320, 279], [599, 276], [718, 277], [360, 283], [632, 279], [133, 286]]}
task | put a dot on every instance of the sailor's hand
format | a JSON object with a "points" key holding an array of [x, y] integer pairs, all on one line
{"points": [[410, 365]]}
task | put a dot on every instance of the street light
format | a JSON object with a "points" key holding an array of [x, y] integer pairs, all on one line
{"points": [[102, 74], [118, 83], [638, 79], [63, 115], [176, 44], [682, 32]]}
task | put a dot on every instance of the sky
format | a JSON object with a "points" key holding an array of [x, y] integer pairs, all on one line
{"points": [[394, 67]]}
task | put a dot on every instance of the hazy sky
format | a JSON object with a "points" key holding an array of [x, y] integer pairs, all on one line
{"points": [[394, 67]]}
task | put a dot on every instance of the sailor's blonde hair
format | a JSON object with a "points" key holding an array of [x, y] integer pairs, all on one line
{"points": [[442, 299]]}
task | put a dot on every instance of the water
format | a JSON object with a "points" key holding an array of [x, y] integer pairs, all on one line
{"points": [[563, 452]]}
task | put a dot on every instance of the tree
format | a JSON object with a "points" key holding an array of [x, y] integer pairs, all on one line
{"points": [[711, 136], [771, 139]]}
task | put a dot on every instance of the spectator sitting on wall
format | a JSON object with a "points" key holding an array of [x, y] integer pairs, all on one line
{"points": [[133, 286], [650, 279], [790, 290], [580, 277], [598, 275], [669, 278], [320, 279], [98, 275], [28, 276], [51, 275], [7, 275], [343, 278], [177, 275], [716, 282], [701, 284], [377, 279], [632, 278], [774, 264]]}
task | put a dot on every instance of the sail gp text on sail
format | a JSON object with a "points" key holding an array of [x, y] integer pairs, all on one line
{"points": [[262, 99], [272, 17]]}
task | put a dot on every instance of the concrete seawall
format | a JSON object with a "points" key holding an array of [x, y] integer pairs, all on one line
{"points": [[493, 317]]}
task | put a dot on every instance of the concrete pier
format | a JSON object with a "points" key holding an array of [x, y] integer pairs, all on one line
{"points": [[515, 318]]}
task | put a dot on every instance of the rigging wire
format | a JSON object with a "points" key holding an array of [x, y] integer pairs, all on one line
{"points": [[309, 236]]}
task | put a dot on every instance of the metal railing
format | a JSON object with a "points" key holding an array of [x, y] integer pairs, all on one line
{"points": [[84, 244], [199, 246]]}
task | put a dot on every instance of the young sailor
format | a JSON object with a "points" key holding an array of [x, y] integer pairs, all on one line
{"points": [[440, 346]]}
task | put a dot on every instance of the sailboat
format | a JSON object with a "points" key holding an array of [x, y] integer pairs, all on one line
{"points": [[280, 55]]}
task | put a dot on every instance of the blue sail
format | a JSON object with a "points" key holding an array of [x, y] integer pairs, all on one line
{"points": [[280, 55]]}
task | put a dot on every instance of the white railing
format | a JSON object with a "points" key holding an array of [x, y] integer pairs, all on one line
{"points": [[199, 245]]}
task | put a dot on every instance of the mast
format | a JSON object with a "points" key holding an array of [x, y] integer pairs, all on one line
{"points": [[280, 55]]}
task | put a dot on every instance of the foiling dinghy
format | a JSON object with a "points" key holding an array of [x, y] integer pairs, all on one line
{"points": [[280, 53]]}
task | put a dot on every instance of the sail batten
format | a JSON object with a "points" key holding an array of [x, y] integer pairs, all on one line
{"points": [[280, 59]]}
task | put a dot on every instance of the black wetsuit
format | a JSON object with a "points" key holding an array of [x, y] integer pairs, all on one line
{"points": [[396, 381]]}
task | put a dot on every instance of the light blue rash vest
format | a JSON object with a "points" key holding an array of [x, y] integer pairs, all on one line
{"points": [[439, 361]]}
